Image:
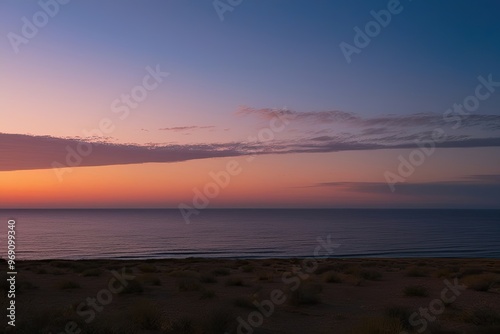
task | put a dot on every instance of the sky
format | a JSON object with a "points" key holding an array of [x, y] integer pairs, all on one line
{"points": [[284, 103]]}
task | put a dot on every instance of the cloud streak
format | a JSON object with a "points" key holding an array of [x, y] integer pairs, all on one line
{"points": [[483, 189], [25, 152], [187, 128], [377, 125]]}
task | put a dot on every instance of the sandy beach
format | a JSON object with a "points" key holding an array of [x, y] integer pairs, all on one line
{"points": [[258, 296]]}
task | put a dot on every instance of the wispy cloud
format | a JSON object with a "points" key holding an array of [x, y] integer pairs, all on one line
{"points": [[479, 191], [375, 125], [187, 128], [473, 186], [331, 131], [21, 152]]}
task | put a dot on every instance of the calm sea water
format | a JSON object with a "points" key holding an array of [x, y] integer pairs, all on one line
{"points": [[125, 234]]}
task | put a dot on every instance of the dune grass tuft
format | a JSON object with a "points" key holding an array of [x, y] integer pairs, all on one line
{"points": [[378, 325], [235, 281], [133, 286], [147, 315], [307, 293], [332, 277], [416, 291], [220, 321], [221, 272], [188, 284], [481, 282]]}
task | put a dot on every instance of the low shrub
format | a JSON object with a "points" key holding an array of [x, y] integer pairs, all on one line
{"points": [[234, 281], [416, 291], [371, 275], [482, 282], [133, 286], [221, 272], [188, 284], [378, 325], [307, 293], [332, 277], [147, 315]]}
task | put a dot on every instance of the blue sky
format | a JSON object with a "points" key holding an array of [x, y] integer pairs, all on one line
{"points": [[264, 55], [275, 53]]}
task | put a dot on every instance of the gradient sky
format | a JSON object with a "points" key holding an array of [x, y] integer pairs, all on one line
{"points": [[347, 124]]}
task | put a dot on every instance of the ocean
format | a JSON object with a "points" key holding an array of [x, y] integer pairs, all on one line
{"points": [[251, 233]]}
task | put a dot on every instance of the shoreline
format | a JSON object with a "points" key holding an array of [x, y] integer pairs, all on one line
{"points": [[261, 259], [163, 295]]}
